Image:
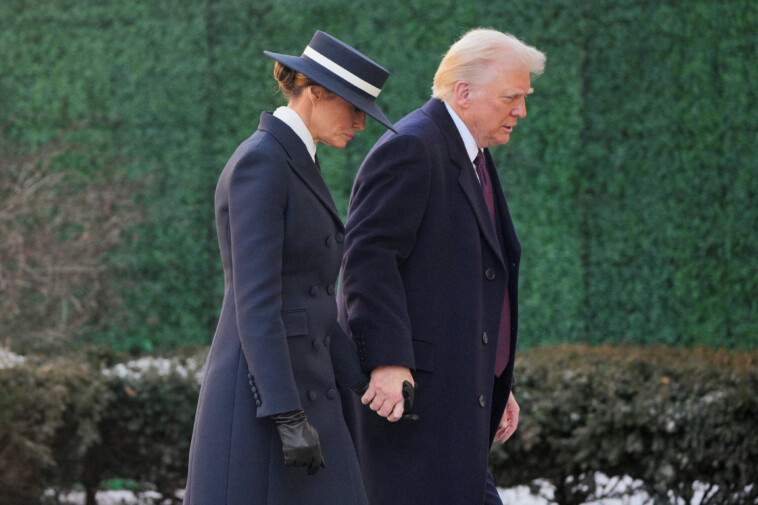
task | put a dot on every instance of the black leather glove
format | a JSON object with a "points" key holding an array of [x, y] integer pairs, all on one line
{"points": [[300, 442]]}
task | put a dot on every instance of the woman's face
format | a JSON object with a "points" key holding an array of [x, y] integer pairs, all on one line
{"points": [[335, 120]]}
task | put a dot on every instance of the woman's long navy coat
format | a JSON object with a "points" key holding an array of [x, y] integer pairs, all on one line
{"points": [[277, 347]]}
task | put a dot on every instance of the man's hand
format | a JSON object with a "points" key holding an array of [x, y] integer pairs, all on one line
{"points": [[385, 391], [509, 422]]}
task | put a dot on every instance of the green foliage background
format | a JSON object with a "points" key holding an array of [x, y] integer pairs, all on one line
{"points": [[632, 182]]}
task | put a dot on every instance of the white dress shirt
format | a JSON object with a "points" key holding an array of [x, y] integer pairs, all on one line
{"points": [[468, 139], [294, 121]]}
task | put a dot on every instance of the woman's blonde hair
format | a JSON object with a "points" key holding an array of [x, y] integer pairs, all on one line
{"points": [[291, 83], [475, 52]]}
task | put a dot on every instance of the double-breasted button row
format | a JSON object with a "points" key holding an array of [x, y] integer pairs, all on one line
{"points": [[339, 237], [314, 290], [331, 394]]}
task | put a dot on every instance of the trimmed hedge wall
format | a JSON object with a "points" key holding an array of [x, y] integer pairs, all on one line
{"points": [[672, 419], [632, 182], [669, 419], [63, 424]]}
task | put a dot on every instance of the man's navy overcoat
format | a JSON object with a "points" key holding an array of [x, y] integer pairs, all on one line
{"points": [[422, 286], [281, 242]]}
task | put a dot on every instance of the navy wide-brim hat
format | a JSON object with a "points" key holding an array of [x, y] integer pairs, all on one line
{"points": [[342, 70]]}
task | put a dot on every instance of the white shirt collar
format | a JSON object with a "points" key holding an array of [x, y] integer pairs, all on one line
{"points": [[294, 121], [468, 139]]}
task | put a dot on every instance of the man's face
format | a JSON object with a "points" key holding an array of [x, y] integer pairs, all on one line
{"points": [[495, 107]]}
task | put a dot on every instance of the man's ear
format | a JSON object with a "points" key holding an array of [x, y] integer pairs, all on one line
{"points": [[462, 94]]}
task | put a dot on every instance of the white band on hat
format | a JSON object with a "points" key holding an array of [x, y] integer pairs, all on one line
{"points": [[341, 72]]}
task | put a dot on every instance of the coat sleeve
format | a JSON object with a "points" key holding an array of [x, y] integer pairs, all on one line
{"points": [[386, 209], [347, 366], [257, 202]]}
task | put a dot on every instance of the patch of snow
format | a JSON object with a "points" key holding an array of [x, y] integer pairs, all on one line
{"points": [[9, 359], [189, 367]]}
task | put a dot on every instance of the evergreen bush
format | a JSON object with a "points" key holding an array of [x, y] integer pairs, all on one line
{"points": [[675, 421], [631, 182]]}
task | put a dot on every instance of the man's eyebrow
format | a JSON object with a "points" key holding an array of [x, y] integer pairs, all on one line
{"points": [[519, 91]]}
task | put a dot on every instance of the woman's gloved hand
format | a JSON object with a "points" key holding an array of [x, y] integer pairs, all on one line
{"points": [[300, 442]]}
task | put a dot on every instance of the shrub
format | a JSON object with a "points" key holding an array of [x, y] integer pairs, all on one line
{"points": [[670, 418], [49, 418], [673, 420], [146, 431]]}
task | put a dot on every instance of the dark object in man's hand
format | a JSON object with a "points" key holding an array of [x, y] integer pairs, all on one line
{"points": [[300, 442], [409, 394], [361, 388]]}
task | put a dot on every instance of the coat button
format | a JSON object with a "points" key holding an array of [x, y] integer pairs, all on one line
{"points": [[489, 273], [327, 341], [258, 402], [340, 237], [316, 344], [312, 396], [485, 339], [329, 241], [313, 291], [482, 401], [331, 394], [330, 289]]}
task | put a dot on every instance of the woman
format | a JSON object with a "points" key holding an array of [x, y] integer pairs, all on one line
{"points": [[269, 404]]}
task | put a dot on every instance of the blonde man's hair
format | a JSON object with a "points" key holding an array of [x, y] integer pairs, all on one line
{"points": [[475, 52]]}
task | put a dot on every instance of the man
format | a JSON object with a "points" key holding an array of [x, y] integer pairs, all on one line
{"points": [[429, 282]]}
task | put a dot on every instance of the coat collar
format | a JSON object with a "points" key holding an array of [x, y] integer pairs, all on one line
{"points": [[300, 161], [467, 179]]}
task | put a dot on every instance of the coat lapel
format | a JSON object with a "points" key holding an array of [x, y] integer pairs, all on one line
{"points": [[301, 162], [466, 177], [510, 239]]}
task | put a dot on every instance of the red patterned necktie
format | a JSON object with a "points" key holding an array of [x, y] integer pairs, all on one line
{"points": [[503, 351]]}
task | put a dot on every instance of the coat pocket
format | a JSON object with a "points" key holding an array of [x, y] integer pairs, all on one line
{"points": [[295, 322], [424, 354]]}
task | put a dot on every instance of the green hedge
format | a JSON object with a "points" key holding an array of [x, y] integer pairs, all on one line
{"points": [[669, 419], [64, 424], [631, 181], [672, 419]]}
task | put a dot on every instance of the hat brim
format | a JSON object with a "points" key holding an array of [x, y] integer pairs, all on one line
{"points": [[332, 83]]}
